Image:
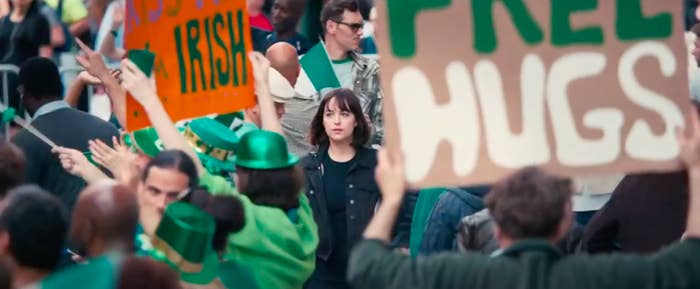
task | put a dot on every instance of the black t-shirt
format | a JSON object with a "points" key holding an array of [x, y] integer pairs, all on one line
{"points": [[334, 185], [21, 41], [298, 41]]}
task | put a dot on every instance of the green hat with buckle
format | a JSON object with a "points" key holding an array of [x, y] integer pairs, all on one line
{"points": [[214, 144], [264, 150], [145, 140], [184, 237]]}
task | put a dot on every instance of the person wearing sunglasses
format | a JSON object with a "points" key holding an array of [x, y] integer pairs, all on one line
{"points": [[343, 24]]}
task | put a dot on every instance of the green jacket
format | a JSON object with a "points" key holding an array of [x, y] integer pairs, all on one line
{"points": [[281, 253], [527, 264]]}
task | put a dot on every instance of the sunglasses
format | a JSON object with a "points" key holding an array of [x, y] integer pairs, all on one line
{"points": [[353, 26]]}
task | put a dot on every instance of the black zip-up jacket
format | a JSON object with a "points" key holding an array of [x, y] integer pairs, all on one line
{"points": [[361, 191]]}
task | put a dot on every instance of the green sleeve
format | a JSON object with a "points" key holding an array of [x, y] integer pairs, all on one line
{"points": [[678, 266], [217, 185], [373, 265]]}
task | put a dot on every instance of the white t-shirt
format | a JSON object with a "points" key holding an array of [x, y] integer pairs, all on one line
{"points": [[106, 27]]}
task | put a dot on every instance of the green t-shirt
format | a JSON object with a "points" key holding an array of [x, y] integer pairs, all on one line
{"points": [[282, 252], [424, 206], [101, 272], [343, 71]]}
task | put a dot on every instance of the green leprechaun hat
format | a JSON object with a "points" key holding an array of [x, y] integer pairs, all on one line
{"points": [[229, 118], [184, 236], [264, 150], [214, 144], [145, 140]]}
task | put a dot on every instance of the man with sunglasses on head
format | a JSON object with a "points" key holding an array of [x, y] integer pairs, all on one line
{"points": [[342, 25]]}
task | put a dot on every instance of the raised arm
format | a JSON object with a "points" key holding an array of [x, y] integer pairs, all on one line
{"points": [[143, 90], [95, 66], [268, 114]]}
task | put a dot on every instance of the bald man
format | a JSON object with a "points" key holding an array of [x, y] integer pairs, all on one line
{"points": [[104, 220], [299, 110]]}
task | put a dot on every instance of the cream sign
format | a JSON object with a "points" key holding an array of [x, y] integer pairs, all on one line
{"points": [[478, 88]]}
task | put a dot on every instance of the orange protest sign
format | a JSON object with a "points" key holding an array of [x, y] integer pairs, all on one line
{"points": [[201, 65]]}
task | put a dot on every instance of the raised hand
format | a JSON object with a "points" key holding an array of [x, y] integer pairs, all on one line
{"points": [[77, 164], [137, 83], [92, 61], [114, 159], [261, 68]]}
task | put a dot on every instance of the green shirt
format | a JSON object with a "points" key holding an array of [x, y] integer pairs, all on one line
{"points": [[424, 206], [98, 273], [527, 264], [343, 71], [281, 253]]}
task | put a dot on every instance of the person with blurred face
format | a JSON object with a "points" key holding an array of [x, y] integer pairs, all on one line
{"points": [[285, 16], [256, 17], [104, 220], [343, 26], [340, 184], [33, 226], [169, 177]]}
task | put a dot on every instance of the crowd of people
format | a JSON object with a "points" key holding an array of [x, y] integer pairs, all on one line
{"points": [[295, 192]]}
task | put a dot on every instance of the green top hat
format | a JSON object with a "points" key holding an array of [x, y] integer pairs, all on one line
{"points": [[264, 150], [145, 140], [214, 143], [228, 118], [184, 236]]}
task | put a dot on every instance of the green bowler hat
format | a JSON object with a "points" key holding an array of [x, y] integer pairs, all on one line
{"points": [[264, 150], [184, 236], [145, 140], [214, 144]]}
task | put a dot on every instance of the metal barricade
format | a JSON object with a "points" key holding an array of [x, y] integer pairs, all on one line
{"points": [[5, 71], [68, 74]]}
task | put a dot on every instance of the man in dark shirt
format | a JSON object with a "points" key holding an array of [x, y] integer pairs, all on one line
{"points": [[40, 86], [285, 16], [531, 210]]}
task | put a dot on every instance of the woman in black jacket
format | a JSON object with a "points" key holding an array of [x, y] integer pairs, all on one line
{"points": [[340, 184]]}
